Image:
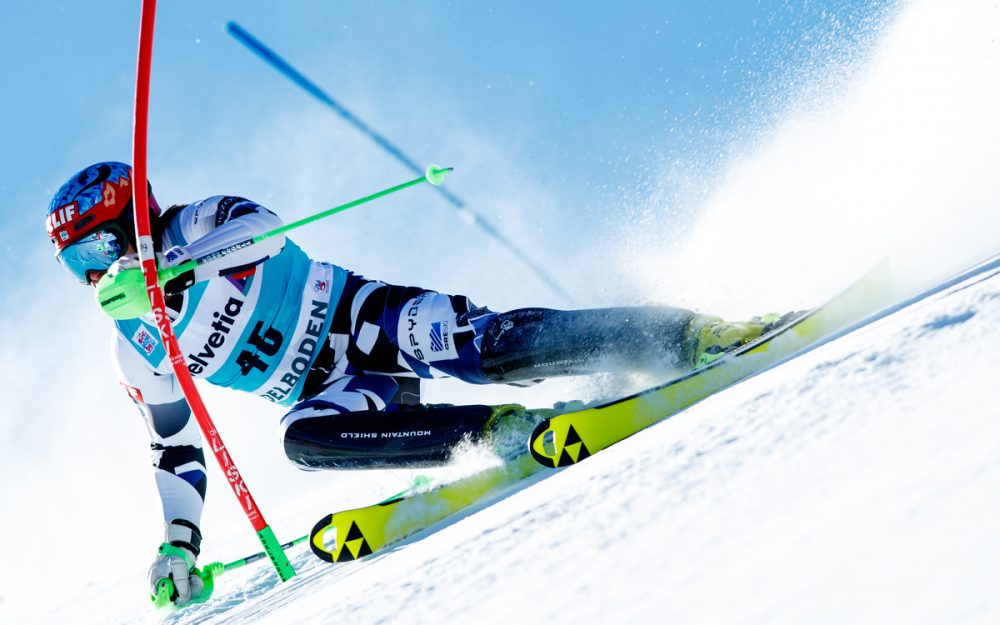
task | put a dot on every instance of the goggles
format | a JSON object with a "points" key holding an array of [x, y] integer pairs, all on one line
{"points": [[94, 252]]}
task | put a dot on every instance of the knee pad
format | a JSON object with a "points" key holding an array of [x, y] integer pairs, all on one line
{"points": [[426, 326], [437, 334]]}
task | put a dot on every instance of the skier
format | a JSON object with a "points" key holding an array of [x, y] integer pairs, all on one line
{"points": [[345, 353]]}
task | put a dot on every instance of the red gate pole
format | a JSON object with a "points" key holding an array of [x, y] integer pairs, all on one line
{"points": [[147, 258]]}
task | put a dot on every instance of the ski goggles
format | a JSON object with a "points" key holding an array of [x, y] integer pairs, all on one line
{"points": [[94, 252]]}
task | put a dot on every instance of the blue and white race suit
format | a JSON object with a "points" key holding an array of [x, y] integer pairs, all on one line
{"points": [[268, 320]]}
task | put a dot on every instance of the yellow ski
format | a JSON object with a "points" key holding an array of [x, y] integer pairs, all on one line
{"points": [[571, 437], [351, 534], [568, 438]]}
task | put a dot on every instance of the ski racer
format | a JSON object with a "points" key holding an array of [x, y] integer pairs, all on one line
{"points": [[343, 353]]}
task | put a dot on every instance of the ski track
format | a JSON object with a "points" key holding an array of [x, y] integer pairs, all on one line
{"points": [[856, 483]]}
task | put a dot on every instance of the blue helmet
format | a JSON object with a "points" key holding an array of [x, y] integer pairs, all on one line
{"points": [[90, 220]]}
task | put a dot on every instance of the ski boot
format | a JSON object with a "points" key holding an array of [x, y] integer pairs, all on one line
{"points": [[510, 426], [710, 338]]}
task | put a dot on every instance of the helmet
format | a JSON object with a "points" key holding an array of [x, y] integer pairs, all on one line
{"points": [[90, 220]]}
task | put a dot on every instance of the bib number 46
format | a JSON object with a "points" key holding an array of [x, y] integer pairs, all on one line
{"points": [[267, 343]]}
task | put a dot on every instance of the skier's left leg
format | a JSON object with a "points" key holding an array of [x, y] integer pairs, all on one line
{"points": [[539, 342], [357, 422], [433, 334]]}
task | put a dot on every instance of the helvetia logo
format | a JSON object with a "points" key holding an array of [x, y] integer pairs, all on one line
{"points": [[223, 324]]}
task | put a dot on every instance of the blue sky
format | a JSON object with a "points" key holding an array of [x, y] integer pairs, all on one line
{"points": [[586, 98]]}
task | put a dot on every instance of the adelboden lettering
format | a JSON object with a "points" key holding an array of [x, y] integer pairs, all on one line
{"points": [[305, 350]]}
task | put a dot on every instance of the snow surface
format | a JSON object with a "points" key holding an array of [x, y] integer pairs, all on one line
{"points": [[855, 484]]}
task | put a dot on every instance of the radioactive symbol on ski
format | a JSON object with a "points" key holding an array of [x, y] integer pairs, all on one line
{"points": [[574, 450], [546, 451], [354, 545]]}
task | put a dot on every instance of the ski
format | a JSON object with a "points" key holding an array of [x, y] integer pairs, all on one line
{"points": [[352, 534], [573, 436], [564, 438]]}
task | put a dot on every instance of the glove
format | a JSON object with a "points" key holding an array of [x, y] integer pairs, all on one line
{"points": [[121, 293], [174, 257], [175, 562], [125, 263]]}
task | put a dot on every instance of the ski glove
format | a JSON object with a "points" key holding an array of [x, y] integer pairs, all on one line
{"points": [[125, 263], [175, 562]]}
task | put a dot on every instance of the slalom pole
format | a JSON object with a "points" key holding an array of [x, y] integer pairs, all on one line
{"points": [[466, 213], [147, 259], [121, 295]]}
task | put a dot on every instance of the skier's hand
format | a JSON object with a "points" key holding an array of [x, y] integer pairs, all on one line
{"points": [[174, 257], [175, 564], [127, 262]]}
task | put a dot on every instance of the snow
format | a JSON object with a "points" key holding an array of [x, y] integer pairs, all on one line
{"points": [[856, 483]]}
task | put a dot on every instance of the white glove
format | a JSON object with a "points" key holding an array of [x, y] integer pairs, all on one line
{"points": [[175, 561], [125, 263]]}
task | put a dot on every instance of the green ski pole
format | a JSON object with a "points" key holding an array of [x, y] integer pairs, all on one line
{"points": [[123, 296], [210, 571]]}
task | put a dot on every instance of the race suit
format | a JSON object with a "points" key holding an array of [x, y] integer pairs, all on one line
{"points": [[345, 353]]}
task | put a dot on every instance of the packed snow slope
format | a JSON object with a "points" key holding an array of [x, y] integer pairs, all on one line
{"points": [[854, 484]]}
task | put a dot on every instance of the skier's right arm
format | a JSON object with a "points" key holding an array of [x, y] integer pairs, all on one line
{"points": [[216, 231], [178, 465]]}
